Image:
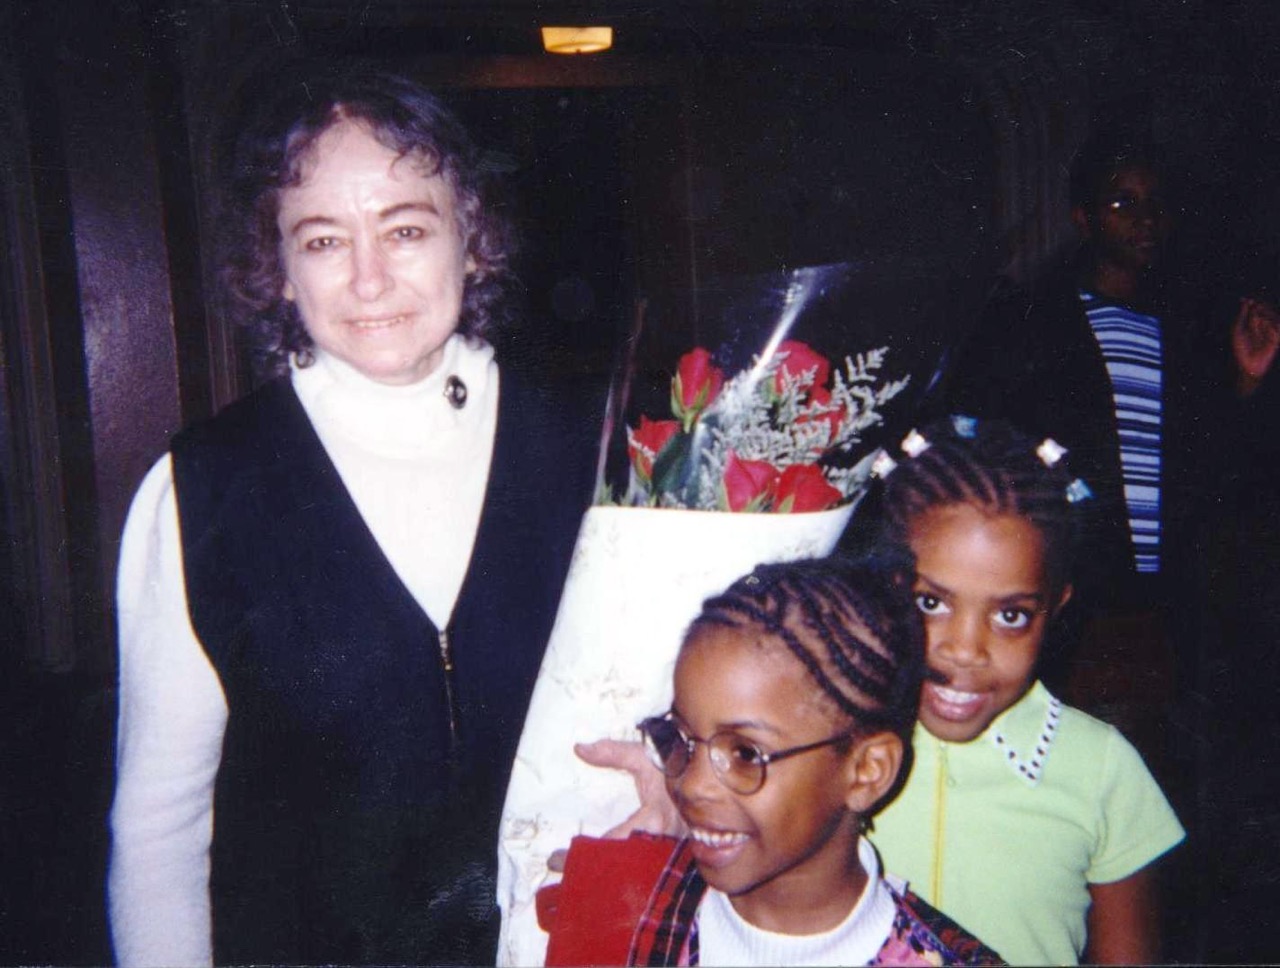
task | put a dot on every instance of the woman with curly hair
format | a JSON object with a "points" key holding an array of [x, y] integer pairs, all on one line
{"points": [[334, 595]]}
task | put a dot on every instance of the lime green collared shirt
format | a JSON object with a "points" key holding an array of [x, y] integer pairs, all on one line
{"points": [[1005, 833]]}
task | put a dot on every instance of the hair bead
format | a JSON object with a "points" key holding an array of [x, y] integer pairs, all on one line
{"points": [[994, 466], [1050, 451], [1078, 491], [883, 464], [966, 427], [914, 444]]}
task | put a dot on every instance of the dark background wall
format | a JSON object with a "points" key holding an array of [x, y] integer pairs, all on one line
{"points": [[925, 142]]}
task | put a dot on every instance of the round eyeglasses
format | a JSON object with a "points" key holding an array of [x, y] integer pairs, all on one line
{"points": [[737, 762]]}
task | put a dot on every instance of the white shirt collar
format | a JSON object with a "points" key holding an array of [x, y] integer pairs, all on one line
{"points": [[398, 421], [1023, 734], [725, 938]]}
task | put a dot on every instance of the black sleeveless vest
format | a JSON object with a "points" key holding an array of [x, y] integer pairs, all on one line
{"points": [[359, 792]]}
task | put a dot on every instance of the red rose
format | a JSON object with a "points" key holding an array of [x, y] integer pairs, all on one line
{"points": [[800, 359], [646, 442], [802, 487], [748, 484], [696, 385]]}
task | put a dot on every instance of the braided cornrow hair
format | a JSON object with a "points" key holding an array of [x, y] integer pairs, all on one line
{"points": [[993, 466], [851, 624]]}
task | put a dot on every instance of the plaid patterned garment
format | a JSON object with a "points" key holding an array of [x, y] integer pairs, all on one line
{"points": [[667, 933], [668, 930]]}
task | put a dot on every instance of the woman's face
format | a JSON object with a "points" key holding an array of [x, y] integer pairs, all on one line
{"points": [[987, 599], [373, 256]]}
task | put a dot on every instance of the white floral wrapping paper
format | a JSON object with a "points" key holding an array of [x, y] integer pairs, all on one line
{"points": [[638, 577]]}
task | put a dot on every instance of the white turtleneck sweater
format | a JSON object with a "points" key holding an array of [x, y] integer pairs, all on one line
{"points": [[416, 468], [725, 938]]}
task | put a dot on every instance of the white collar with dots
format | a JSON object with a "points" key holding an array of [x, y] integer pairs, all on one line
{"points": [[1029, 767]]}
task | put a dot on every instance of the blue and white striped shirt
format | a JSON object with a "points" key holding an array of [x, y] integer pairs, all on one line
{"points": [[1130, 344]]}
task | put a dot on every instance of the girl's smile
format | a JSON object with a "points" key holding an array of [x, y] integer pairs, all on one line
{"points": [[715, 850], [984, 590], [953, 705]]}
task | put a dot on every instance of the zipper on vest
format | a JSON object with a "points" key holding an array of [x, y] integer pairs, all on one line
{"points": [[446, 660]]}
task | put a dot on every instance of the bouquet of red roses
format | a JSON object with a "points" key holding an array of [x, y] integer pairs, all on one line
{"points": [[763, 423], [769, 439]]}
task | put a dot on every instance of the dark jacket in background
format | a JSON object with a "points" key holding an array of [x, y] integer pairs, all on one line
{"points": [[1033, 359]]}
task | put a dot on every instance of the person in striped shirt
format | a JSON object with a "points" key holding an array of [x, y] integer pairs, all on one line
{"points": [[1091, 357], [1164, 418], [1098, 357]]}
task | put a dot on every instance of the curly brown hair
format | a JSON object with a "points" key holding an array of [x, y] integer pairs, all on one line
{"points": [[269, 157]]}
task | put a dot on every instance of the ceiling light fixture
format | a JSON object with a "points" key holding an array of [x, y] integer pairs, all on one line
{"points": [[576, 40]]}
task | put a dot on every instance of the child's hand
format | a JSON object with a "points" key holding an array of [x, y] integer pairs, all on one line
{"points": [[657, 814]]}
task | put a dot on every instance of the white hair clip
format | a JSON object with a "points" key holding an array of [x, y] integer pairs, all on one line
{"points": [[966, 427], [883, 465], [914, 444], [1078, 491], [1050, 451]]}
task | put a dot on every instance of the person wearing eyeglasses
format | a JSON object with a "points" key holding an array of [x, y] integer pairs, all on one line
{"points": [[1100, 356], [795, 697], [1087, 357], [1164, 414]]}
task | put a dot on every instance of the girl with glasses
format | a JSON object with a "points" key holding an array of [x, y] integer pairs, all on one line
{"points": [[795, 696]]}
